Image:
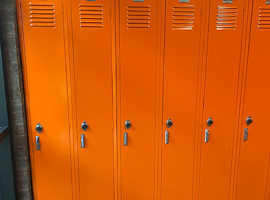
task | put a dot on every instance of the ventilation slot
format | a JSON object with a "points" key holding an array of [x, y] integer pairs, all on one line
{"points": [[138, 17], [91, 16], [42, 15], [264, 18], [183, 17], [226, 18]]}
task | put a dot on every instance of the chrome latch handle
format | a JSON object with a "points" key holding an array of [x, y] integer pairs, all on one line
{"points": [[166, 137], [245, 134], [37, 143], [206, 136], [82, 141], [125, 139]]}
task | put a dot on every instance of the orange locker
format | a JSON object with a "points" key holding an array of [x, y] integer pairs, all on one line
{"points": [[137, 69], [89, 64], [254, 166], [92, 69], [183, 45], [221, 96], [44, 68]]}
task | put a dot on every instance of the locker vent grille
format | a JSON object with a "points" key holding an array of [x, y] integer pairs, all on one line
{"points": [[42, 15], [264, 18], [183, 17], [226, 18], [91, 16], [138, 17]]}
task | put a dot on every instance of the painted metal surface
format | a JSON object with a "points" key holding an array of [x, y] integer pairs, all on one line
{"points": [[92, 71], [46, 97], [253, 176], [137, 65], [183, 46], [141, 99], [220, 102]]}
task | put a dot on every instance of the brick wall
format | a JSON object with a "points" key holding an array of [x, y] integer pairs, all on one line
{"points": [[15, 98]]}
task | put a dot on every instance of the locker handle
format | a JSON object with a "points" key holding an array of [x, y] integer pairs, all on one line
{"points": [[39, 128], [125, 139], [166, 137], [249, 120], [128, 124], [206, 137], [84, 126], [245, 134], [82, 141], [209, 121], [169, 123], [37, 143]]}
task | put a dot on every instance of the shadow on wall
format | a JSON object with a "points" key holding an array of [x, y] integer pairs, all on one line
{"points": [[6, 169]]}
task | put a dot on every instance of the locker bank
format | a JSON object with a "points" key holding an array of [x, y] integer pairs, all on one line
{"points": [[147, 99]]}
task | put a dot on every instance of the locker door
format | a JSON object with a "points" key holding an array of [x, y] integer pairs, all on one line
{"points": [[181, 64], [46, 89], [138, 30], [253, 183], [91, 23], [220, 103]]}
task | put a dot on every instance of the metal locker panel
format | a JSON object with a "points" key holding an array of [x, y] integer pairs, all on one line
{"points": [[253, 182], [137, 69], [46, 95], [221, 97], [92, 43], [181, 64]]}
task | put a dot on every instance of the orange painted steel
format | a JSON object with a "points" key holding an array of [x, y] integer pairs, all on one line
{"points": [[124, 88], [220, 101], [91, 31], [183, 47], [137, 68], [253, 176], [47, 99]]}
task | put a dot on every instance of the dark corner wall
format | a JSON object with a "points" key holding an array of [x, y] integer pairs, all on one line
{"points": [[6, 168], [15, 99]]}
